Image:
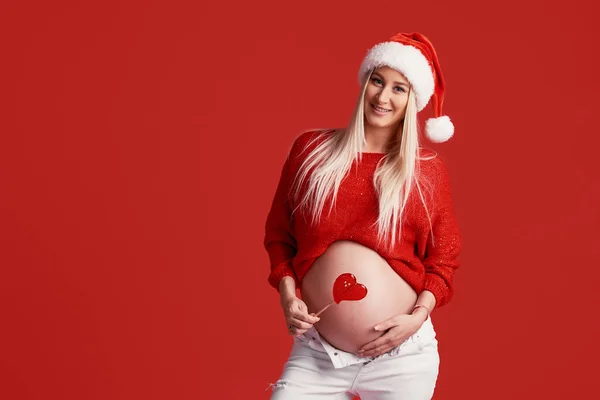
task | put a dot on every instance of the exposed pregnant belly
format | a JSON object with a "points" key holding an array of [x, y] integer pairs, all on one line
{"points": [[349, 324]]}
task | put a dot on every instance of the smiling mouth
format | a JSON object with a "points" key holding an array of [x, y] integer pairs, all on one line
{"points": [[381, 110]]}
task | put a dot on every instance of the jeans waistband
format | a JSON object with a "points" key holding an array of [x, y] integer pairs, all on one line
{"points": [[341, 358]]}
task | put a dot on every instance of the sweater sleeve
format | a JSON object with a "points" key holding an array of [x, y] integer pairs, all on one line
{"points": [[443, 243], [279, 239]]}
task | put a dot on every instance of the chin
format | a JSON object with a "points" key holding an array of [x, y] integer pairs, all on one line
{"points": [[379, 124]]}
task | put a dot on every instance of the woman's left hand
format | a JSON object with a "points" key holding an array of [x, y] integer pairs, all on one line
{"points": [[399, 328]]}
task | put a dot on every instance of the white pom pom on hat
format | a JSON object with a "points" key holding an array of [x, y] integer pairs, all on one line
{"points": [[422, 69], [439, 129]]}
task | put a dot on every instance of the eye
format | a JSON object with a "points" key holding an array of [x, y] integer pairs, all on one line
{"points": [[376, 81], [400, 89]]}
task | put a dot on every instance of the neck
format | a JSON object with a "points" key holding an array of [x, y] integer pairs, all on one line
{"points": [[379, 139]]}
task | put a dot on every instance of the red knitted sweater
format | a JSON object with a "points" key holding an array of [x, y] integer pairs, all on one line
{"points": [[293, 244]]}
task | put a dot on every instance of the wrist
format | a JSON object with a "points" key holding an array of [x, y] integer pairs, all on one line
{"points": [[421, 311], [287, 287]]}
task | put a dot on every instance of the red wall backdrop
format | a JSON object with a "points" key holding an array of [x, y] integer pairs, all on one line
{"points": [[141, 142]]}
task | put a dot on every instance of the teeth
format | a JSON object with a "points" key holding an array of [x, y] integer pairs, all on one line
{"points": [[381, 109]]}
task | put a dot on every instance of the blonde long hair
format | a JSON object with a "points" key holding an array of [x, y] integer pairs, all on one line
{"points": [[394, 176]]}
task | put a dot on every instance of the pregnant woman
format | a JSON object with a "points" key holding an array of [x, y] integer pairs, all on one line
{"points": [[367, 200]]}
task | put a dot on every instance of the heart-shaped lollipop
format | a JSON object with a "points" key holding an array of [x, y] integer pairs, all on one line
{"points": [[346, 287]]}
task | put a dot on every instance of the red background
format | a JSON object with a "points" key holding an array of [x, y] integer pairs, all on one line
{"points": [[140, 147]]}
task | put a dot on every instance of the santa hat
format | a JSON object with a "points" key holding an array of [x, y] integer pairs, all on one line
{"points": [[413, 55]]}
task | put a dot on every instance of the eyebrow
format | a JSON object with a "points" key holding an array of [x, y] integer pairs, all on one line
{"points": [[396, 82]]}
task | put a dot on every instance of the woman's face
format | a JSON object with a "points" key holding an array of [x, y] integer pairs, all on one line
{"points": [[386, 98]]}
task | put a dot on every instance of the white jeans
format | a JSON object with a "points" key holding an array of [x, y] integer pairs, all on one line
{"points": [[317, 370]]}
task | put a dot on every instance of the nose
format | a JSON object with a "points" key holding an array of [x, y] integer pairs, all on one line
{"points": [[383, 96]]}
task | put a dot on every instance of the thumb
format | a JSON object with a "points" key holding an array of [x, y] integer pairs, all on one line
{"points": [[387, 324], [314, 317]]}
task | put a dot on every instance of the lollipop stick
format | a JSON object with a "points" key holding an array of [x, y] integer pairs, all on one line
{"points": [[324, 308]]}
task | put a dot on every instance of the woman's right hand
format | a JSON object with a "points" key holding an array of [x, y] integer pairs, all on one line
{"points": [[297, 318]]}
